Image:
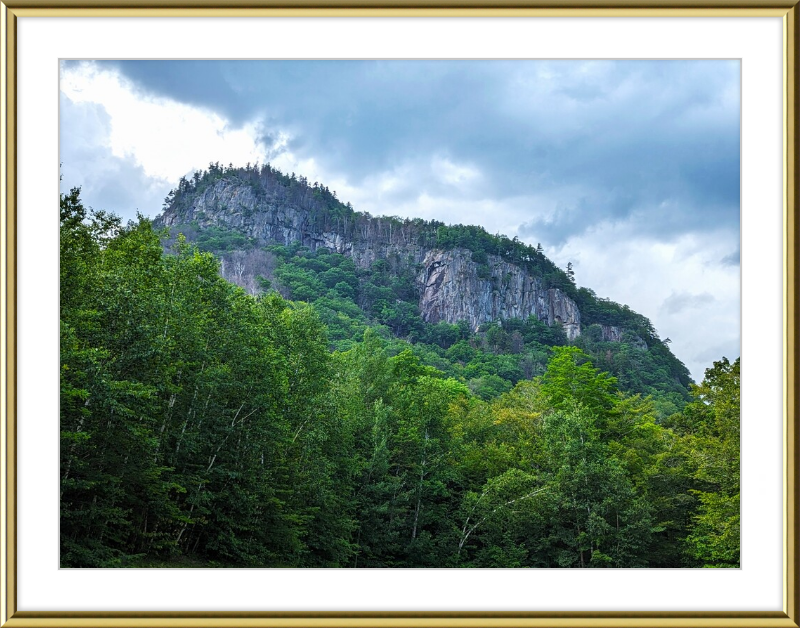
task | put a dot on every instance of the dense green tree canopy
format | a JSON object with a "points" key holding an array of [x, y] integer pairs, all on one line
{"points": [[321, 423]]}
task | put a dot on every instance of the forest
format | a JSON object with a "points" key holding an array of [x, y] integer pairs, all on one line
{"points": [[320, 423]]}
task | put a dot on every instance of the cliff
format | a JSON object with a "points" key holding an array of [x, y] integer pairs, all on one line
{"points": [[452, 285], [452, 289]]}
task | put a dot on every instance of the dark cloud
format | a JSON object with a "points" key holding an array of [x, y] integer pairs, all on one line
{"points": [[679, 301], [656, 142], [272, 144]]}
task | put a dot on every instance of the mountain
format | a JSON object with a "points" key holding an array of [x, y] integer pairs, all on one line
{"points": [[453, 285], [408, 274]]}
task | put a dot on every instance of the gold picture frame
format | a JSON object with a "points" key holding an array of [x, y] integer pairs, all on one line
{"points": [[11, 10]]}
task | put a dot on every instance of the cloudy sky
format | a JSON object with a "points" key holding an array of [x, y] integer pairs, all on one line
{"points": [[628, 169]]}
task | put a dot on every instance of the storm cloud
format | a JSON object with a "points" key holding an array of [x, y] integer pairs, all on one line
{"points": [[656, 141]]}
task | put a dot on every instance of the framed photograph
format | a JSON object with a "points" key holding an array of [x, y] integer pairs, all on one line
{"points": [[344, 370]]}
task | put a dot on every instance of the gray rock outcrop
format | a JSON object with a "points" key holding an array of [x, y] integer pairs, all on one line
{"points": [[452, 289], [452, 286]]}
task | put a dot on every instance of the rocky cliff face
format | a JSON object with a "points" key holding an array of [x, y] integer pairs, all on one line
{"points": [[452, 286], [230, 204], [452, 289], [269, 219], [611, 333]]}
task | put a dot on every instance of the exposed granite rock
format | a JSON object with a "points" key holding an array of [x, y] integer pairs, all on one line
{"points": [[611, 333], [269, 220], [452, 286], [452, 289], [230, 204]]}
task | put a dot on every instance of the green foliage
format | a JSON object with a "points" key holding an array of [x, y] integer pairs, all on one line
{"points": [[715, 537], [201, 425], [711, 425], [219, 239], [194, 419], [571, 378]]}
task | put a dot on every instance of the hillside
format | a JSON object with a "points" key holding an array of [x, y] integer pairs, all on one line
{"points": [[432, 284]]}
